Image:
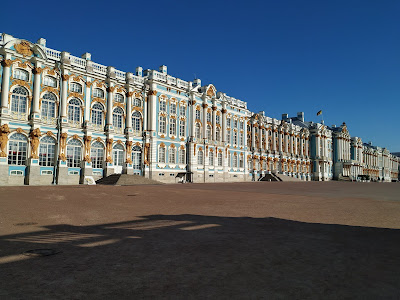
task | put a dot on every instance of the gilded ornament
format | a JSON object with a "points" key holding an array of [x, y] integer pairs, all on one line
{"points": [[6, 62], [205, 105], [65, 77], [152, 93], [37, 70], [130, 94], [34, 135], [62, 157], [23, 48], [210, 92], [89, 84], [19, 130], [49, 133], [4, 131], [111, 89]]}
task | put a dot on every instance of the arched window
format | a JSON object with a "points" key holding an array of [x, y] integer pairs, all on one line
{"points": [[172, 126], [74, 153], [235, 162], [18, 100], [198, 114], [241, 164], [98, 93], [162, 125], [21, 74], [208, 117], [172, 155], [118, 155], [219, 159], [208, 132], [218, 119], [74, 111], [17, 149], [119, 98], [49, 106], [197, 132], [97, 114], [137, 121], [76, 87], [161, 155], [47, 151], [182, 156], [200, 157], [218, 134], [172, 108], [137, 102], [50, 81], [211, 158], [97, 155], [117, 117], [136, 157], [182, 126]]}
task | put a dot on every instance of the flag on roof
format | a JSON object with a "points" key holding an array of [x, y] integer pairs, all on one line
{"points": [[320, 112]]}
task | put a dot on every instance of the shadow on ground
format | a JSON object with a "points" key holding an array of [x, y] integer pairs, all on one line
{"points": [[202, 257]]}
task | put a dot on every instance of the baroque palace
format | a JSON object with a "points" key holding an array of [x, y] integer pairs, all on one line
{"points": [[66, 114]]}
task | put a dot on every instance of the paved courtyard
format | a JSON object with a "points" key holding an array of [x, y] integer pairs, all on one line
{"points": [[275, 240]]}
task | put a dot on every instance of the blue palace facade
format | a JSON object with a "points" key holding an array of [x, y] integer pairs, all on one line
{"points": [[67, 114]]}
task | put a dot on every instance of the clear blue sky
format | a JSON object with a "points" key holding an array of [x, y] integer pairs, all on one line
{"points": [[280, 56]]}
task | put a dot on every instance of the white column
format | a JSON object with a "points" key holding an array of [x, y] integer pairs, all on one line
{"points": [[214, 122], [152, 109], [128, 120], [36, 90], [253, 136], [64, 89], [223, 123], [5, 84], [110, 99], [86, 116], [192, 114], [205, 105]]}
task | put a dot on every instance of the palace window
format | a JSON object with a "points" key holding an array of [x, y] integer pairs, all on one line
{"points": [[18, 100], [235, 123], [228, 136], [118, 114], [228, 122], [241, 125], [119, 98], [161, 155], [182, 126], [197, 132], [21, 74], [137, 102], [163, 125], [48, 106], [172, 108], [74, 111], [219, 159], [76, 87], [208, 117], [218, 119], [97, 155], [118, 155], [200, 157], [74, 150], [182, 156], [50, 81], [97, 114], [137, 121], [208, 132], [163, 105], [136, 157], [234, 137], [172, 156], [235, 162], [218, 134], [182, 110], [172, 126], [211, 158], [98, 93], [241, 164], [229, 160], [47, 151], [241, 139], [17, 149], [198, 115]]}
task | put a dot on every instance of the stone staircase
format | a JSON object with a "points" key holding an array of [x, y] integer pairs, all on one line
{"points": [[270, 177], [289, 178], [125, 179]]}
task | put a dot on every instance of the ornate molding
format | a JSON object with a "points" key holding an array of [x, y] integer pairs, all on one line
{"points": [[24, 48], [65, 77], [34, 135], [152, 93], [37, 70], [6, 63]]}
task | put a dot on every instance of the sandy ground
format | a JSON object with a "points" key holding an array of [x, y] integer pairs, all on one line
{"points": [[263, 240]]}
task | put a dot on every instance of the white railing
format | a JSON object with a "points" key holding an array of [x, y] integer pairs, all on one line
{"points": [[159, 76], [182, 84], [99, 68], [53, 54], [120, 74], [138, 80], [171, 80], [76, 61], [137, 132]]}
